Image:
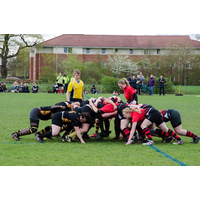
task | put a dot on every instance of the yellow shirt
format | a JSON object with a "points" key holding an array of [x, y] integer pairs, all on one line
{"points": [[76, 89]]}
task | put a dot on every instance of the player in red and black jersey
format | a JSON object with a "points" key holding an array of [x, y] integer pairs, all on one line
{"points": [[65, 117], [129, 92], [37, 114], [174, 117], [147, 117], [106, 110]]}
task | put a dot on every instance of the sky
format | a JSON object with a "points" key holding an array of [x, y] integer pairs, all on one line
{"points": [[127, 17]]}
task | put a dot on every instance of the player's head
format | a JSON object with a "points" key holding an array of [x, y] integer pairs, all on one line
{"points": [[85, 116], [77, 74], [123, 83]]}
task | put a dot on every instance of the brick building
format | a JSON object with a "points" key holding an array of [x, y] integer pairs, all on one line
{"points": [[92, 47]]}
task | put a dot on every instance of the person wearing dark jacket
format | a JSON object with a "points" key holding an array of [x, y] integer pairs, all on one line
{"points": [[151, 84], [161, 82], [26, 88], [133, 82]]}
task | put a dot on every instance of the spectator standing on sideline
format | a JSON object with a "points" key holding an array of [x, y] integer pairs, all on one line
{"points": [[161, 82], [61, 83], [75, 88], [133, 82], [71, 79], [138, 84], [151, 84], [142, 79], [35, 88], [129, 79], [66, 81]]}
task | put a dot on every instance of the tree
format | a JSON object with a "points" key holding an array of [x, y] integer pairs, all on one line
{"points": [[179, 61], [197, 36], [121, 65], [19, 65], [12, 44]]}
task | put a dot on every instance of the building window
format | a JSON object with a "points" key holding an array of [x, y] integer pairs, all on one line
{"points": [[116, 50], [103, 51], [146, 51], [131, 51], [158, 51], [87, 50], [67, 50]]}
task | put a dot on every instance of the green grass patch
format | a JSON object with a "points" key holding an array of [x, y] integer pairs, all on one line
{"points": [[14, 114]]}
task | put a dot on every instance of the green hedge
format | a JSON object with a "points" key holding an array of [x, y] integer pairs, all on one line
{"points": [[169, 88], [109, 84]]}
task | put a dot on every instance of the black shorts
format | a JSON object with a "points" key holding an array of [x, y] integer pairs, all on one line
{"points": [[60, 85], [119, 111], [35, 115], [175, 118], [154, 116], [57, 119], [75, 100]]}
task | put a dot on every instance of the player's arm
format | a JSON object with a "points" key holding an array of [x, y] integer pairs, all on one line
{"points": [[83, 95], [109, 101], [95, 109], [67, 95], [69, 89], [132, 133], [78, 132], [59, 106]]}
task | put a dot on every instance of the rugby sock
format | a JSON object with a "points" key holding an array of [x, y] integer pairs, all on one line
{"points": [[44, 130], [58, 91], [73, 134], [173, 134], [63, 91], [126, 132], [47, 134], [27, 131], [117, 131], [190, 134], [97, 126], [147, 132], [107, 125], [161, 133]]}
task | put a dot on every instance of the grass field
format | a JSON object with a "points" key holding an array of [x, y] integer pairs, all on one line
{"points": [[14, 115]]}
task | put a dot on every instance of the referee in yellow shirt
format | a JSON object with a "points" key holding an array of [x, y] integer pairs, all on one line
{"points": [[75, 88]]}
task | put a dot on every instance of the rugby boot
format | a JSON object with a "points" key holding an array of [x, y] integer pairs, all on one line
{"points": [[15, 136]]}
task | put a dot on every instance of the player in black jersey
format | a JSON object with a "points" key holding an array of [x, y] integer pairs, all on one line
{"points": [[86, 126], [37, 114], [69, 106], [65, 117]]}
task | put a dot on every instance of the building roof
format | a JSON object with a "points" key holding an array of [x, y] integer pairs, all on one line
{"points": [[120, 41]]}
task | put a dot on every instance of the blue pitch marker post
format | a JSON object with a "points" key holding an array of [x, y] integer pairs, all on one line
{"points": [[167, 156], [87, 96]]}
